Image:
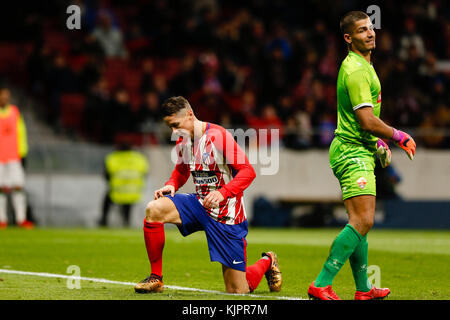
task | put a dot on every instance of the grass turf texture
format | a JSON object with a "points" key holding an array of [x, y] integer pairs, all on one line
{"points": [[414, 264]]}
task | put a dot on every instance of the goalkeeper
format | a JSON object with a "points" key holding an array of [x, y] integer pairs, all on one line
{"points": [[358, 138]]}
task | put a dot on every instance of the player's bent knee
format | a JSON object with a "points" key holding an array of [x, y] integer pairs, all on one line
{"points": [[153, 212], [367, 223]]}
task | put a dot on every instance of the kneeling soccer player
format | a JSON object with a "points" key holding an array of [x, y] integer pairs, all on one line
{"points": [[220, 172]]}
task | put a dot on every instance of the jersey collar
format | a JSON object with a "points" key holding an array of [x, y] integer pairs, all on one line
{"points": [[5, 111], [358, 56]]}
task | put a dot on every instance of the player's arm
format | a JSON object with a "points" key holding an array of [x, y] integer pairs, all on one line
{"points": [[238, 161], [375, 126], [358, 87], [378, 128], [177, 179]]}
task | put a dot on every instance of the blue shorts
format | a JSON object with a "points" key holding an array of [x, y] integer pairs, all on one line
{"points": [[226, 243]]}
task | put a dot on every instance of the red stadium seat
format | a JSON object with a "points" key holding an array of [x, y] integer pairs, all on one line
{"points": [[235, 102], [172, 67], [131, 80], [136, 139], [77, 63], [116, 64], [8, 53], [115, 70], [137, 44], [57, 41], [135, 100], [72, 106]]}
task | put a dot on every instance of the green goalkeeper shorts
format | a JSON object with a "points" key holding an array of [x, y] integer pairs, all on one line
{"points": [[353, 165]]}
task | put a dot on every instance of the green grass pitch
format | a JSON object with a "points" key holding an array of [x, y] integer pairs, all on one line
{"points": [[413, 264]]}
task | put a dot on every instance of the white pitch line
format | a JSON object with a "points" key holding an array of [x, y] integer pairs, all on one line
{"points": [[62, 276]]}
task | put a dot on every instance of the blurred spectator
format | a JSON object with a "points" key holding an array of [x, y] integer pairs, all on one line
{"points": [[161, 87], [291, 137], [38, 64], [434, 128], [91, 72], [209, 106], [268, 121], [120, 115], [305, 129], [92, 47], [327, 125], [149, 113], [410, 39], [285, 108], [188, 79], [60, 79], [248, 107], [328, 65], [110, 38], [225, 120], [95, 112], [148, 69], [385, 46], [276, 74]]}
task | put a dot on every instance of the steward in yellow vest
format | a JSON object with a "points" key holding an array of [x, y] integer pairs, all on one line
{"points": [[125, 171]]}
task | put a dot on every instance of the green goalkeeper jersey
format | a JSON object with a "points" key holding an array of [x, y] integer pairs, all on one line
{"points": [[357, 86]]}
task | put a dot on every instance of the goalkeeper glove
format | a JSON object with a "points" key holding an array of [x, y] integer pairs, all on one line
{"points": [[404, 141], [384, 153]]}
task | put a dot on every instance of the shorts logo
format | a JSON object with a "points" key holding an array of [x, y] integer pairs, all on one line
{"points": [[237, 262], [379, 98], [362, 182]]}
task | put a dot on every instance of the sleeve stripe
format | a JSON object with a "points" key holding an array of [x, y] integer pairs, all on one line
{"points": [[364, 104]]}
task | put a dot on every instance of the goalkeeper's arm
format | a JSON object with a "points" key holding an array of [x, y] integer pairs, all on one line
{"points": [[378, 128]]}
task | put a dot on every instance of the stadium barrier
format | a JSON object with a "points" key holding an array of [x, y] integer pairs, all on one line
{"points": [[66, 186]]}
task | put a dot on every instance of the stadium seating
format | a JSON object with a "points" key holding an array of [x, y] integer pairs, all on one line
{"points": [[72, 106]]}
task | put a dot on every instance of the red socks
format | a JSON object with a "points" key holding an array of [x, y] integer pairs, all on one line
{"points": [[154, 242], [255, 272]]}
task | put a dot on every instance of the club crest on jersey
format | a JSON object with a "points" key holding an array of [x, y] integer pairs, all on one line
{"points": [[379, 98], [362, 182], [206, 159]]}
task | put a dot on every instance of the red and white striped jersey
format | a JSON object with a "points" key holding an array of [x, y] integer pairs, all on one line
{"points": [[216, 162]]}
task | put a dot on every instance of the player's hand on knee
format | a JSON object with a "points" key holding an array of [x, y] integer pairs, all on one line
{"points": [[168, 189], [213, 199]]}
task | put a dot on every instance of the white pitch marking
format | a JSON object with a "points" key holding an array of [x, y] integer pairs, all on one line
{"points": [[62, 276]]}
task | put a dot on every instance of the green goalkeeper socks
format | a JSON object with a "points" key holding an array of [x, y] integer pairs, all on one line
{"points": [[359, 263], [341, 249]]}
